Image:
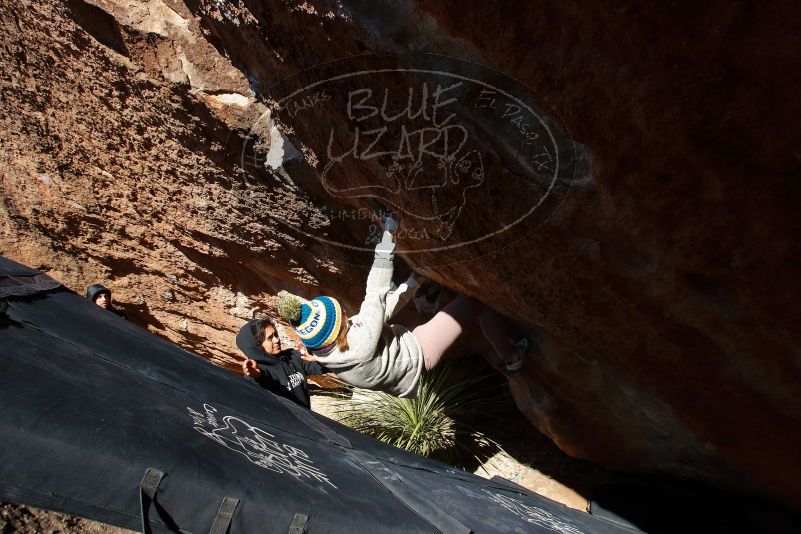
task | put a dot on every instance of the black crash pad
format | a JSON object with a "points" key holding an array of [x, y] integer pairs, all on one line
{"points": [[90, 402]]}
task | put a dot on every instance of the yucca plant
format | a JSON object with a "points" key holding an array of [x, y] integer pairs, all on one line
{"points": [[432, 424]]}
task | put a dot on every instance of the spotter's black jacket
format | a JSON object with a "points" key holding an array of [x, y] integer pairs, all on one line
{"points": [[93, 291], [285, 373]]}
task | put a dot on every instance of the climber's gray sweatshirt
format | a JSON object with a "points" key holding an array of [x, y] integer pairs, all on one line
{"points": [[380, 356]]}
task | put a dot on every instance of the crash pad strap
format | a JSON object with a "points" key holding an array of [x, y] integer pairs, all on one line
{"points": [[224, 515], [417, 499], [147, 494], [298, 525]]}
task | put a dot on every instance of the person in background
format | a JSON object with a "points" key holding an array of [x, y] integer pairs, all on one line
{"points": [[101, 296], [281, 371]]}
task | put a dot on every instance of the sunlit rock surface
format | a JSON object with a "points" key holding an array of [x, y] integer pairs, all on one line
{"points": [[141, 146]]}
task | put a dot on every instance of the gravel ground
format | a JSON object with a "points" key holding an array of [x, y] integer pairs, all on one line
{"points": [[27, 520], [532, 479]]}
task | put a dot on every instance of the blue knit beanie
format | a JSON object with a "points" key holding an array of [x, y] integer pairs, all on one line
{"points": [[316, 321]]}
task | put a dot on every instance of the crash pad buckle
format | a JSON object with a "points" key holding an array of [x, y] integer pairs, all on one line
{"points": [[224, 515], [147, 494], [299, 524]]}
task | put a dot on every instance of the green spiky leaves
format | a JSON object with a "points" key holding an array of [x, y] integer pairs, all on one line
{"points": [[430, 424], [289, 308]]}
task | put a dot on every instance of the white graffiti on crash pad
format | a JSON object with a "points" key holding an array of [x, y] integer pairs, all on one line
{"points": [[257, 445], [526, 512]]}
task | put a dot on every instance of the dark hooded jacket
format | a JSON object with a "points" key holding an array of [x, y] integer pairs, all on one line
{"points": [[285, 373], [95, 289]]}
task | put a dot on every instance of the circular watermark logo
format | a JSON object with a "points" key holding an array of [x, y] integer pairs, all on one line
{"points": [[466, 157]]}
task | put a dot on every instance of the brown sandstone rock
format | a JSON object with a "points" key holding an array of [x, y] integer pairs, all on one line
{"points": [[663, 285]]}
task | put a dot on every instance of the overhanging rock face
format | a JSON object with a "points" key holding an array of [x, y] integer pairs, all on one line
{"points": [[96, 411], [143, 143]]}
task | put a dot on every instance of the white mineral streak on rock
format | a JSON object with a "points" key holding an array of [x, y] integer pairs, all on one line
{"points": [[281, 150], [234, 99]]}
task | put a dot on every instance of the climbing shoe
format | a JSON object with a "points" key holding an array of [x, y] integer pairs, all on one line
{"points": [[522, 347]]}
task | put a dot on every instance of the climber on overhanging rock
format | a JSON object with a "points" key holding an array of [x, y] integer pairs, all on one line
{"points": [[367, 352], [281, 371], [101, 296]]}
